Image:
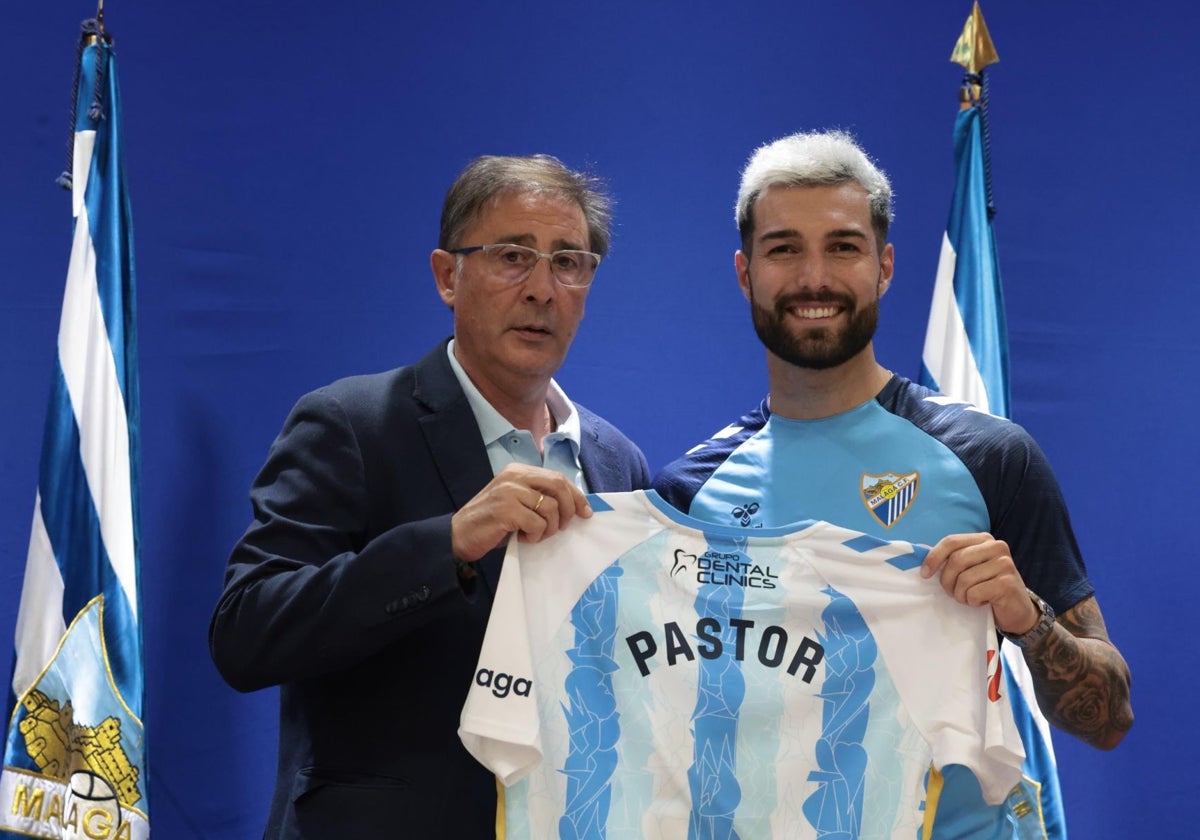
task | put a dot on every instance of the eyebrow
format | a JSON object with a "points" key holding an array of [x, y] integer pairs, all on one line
{"points": [[792, 233], [785, 233], [847, 233], [530, 241]]}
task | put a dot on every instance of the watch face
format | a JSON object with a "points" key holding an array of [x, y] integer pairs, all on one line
{"points": [[1047, 611]]}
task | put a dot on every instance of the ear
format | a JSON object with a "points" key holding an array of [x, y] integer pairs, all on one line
{"points": [[444, 266], [887, 265], [741, 264]]}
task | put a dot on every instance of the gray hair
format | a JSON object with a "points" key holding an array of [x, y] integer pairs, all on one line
{"points": [[818, 158], [488, 178]]}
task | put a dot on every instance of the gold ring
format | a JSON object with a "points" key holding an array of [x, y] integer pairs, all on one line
{"points": [[538, 503]]}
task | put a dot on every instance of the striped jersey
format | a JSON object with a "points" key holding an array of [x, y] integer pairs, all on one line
{"points": [[647, 675], [912, 465]]}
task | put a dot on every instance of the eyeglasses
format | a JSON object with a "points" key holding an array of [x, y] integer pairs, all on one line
{"points": [[513, 263]]}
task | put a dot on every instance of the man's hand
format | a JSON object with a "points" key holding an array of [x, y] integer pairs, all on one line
{"points": [[978, 569], [1080, 678], [532, 502]]}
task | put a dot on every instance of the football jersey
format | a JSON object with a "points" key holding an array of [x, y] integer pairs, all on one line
{"points": [[647, 675], [910, 464]]}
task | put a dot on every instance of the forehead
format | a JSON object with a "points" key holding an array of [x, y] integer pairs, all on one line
{"points": [[812, 210], [537, 216]]}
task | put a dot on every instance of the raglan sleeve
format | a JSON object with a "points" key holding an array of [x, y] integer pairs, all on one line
{"points": [[1028, 511]]}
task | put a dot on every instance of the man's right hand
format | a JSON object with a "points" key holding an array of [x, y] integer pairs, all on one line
{"points": [[532, 502]]}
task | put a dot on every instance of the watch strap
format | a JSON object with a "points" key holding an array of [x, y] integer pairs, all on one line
{"points": [[1039, 631]]}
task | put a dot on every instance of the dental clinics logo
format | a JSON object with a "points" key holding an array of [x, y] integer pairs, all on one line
{"points": [[724, 568], [682, 562]]}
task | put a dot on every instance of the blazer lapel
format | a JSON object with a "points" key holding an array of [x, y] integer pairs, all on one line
{"points": [[450, 430], [452, 436]]}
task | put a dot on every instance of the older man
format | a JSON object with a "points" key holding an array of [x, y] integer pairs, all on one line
{"points": [[363, 585], [843, 439]]}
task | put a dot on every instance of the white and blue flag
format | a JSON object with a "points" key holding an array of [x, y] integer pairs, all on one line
{"points": [[75, 752], [966, 358], [966, 343]]}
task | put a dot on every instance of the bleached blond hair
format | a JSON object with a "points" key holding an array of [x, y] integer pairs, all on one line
{"points": [[810, 159]]}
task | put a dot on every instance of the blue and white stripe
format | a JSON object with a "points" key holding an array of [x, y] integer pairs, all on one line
{"points": [[966, 342], [83, 541]]}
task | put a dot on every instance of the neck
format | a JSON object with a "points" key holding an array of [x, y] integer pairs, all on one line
{"points": [[522, 403], [807, 394], [520, 397]]}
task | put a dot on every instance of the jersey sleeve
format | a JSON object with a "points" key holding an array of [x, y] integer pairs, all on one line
{"points": [[1037, 528], [1025, 505], [539, 584], [499, 721], [942, 655]]}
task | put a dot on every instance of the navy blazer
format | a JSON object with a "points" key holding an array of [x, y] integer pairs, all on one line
{"points": [[343, 591]]}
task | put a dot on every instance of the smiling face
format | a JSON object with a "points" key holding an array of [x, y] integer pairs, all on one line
{"points": [[514, 336], [814, 273]]}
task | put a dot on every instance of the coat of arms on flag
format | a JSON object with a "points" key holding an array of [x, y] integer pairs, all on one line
{"points": [[75, 752], [889, 496]]}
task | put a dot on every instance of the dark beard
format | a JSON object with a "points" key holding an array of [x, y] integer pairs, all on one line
{"points": [[818, 348]]}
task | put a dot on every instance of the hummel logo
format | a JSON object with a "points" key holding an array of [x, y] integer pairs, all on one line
{"points": [[743, 513]]}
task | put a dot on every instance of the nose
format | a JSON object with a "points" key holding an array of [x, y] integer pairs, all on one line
{"points": [[811, 273], [541, 284], [806, 269]]}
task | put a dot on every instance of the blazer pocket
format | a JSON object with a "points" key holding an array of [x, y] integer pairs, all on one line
{"points": [[339, 803]]}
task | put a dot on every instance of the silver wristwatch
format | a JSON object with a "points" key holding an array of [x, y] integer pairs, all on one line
{"points": [[1045, 624]]}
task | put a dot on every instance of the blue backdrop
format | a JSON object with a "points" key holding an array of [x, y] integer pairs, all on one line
{"points": [[287, 164]]}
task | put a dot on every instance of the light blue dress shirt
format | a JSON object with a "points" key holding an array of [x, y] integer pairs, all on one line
{"points": [[508, 445]]}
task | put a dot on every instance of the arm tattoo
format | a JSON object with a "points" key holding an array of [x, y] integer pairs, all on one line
{"points": [[1081, 679]]}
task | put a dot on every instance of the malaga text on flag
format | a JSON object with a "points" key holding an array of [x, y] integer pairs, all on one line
{"points": [[75, 754]]}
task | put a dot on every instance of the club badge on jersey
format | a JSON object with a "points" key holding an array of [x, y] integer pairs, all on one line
{"points": [[888, 496]]}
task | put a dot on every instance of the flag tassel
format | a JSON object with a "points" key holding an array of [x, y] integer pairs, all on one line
{"points": [[91, 32]]}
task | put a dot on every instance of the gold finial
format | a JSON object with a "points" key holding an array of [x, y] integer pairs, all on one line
{"points": [[974, 49]]}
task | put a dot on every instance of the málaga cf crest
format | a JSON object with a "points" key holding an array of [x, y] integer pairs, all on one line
{"points": [[75, 758], [889, 496]]}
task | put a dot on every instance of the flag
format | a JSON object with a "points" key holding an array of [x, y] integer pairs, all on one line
{"points": [[966, 358], [75, 752], [966, 342]]}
